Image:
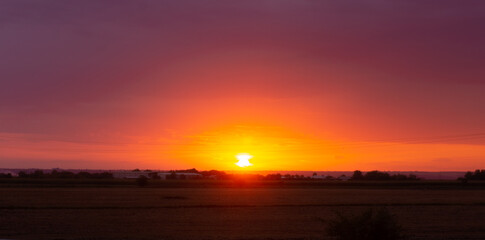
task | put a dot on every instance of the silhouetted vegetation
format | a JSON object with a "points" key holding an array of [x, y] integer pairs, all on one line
{"points": [[295, 177], [357, 175], [478, 175], [221, 175], [276, 176], [65, 174], [5, 175], [382, 176], [370, 225], [192, 170], [376, 175]]}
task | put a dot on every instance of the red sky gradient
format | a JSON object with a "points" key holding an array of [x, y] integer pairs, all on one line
{"points": [[300, 85]]}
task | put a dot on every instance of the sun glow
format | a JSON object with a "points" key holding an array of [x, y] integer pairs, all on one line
{"points": [[243, 160], [268, 147]]}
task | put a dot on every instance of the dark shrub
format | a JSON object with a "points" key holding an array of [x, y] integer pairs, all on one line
{"points": [[377, 176], [477, 175], [370, 225], [5, 175], [357, 175], [329, 178], [399, 177]]}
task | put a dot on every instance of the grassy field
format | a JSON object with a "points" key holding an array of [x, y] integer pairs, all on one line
{"points": [[423, 184], [127, 212]]}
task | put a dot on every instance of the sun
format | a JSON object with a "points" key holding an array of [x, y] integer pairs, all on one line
{"points": [[243, 160]]}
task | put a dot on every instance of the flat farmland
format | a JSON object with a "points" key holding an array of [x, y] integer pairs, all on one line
{"points": [[229, 213]]}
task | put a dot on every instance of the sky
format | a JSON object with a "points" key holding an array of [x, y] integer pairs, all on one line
{"points": [[299, 85]]}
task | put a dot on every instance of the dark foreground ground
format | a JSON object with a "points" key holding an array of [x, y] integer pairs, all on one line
{"points": [[128, 212]]}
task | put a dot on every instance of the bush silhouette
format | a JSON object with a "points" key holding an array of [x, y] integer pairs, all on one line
{"points": [[381, 176], [477, 175], [376, 176], [370, 225], [357, 175]]}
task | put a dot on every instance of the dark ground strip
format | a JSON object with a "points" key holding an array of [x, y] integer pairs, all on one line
{"points": [[242, 206]]}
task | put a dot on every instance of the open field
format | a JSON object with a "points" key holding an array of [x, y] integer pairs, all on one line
{"points": [[229, 213], [110, 183]]}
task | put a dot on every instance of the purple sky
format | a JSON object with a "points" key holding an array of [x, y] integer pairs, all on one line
{"points": [[108, 72]]}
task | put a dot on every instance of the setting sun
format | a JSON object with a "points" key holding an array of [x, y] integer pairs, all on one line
{"points": [[243, 160]]}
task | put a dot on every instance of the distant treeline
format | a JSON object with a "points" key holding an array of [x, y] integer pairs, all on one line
{"points": [[65, 174], [477, 175], [357, 175], [381, 176], [221, 175]]}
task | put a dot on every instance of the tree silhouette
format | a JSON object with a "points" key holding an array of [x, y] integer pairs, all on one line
{"points": [[357, 175]]}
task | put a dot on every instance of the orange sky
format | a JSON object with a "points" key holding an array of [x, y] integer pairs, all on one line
{"points": [[281, 134], [300, 85]]}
